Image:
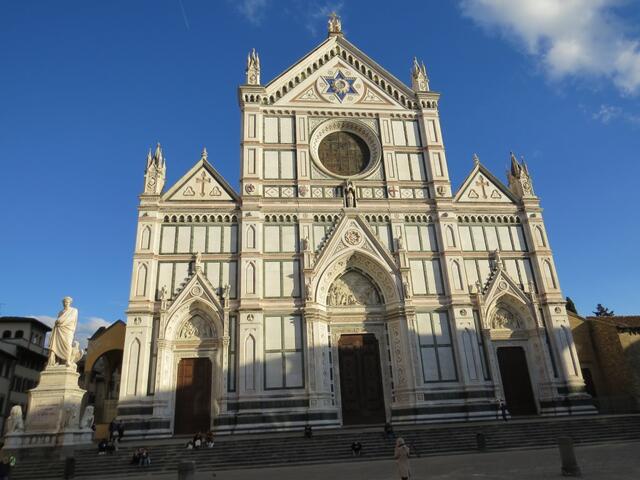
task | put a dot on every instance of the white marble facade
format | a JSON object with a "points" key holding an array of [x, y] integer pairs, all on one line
{"points": [[264, 282]]}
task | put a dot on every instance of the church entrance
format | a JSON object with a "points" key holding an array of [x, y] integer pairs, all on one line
{"points": [[193, 396], [360, 380], [516, 382]]}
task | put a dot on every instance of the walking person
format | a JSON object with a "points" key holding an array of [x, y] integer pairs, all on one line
{"points": [[401, 454], [113, 429], [120, 429]]}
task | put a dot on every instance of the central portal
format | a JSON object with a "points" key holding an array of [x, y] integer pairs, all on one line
{"points": [[360, 380], [193, 396], [516, 381]]}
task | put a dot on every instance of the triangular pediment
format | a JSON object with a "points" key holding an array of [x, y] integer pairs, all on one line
{"points": [[199, 288], [337, 74], [201, 183], [353, 233], [481, 186], [499, 284]]}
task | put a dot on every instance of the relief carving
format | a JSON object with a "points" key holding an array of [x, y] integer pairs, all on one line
{"points": [[353, 288], [196, 327], [503, 319]]}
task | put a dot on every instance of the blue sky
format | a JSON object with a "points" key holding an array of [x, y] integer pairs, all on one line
{"points": [[86, 87]]}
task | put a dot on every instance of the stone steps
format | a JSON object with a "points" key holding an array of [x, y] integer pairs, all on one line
{"points": [[245, 451]]}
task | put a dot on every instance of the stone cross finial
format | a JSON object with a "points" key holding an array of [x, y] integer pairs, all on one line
{"points": [[204, 155], [253, 68], [335, 25], [476, 159]]}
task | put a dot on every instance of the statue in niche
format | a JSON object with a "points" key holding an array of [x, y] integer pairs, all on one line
{"points": [[349, 195], [61, 342], [504, 319], [353, 288]]}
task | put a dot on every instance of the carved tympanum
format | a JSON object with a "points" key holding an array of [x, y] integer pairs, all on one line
{"points": [[196, 327], [353, 288], [504, 319]]}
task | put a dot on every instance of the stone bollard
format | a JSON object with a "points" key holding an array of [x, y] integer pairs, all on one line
{"points": [[187, 470], [69, 467], [570, 466], [481, 441]]}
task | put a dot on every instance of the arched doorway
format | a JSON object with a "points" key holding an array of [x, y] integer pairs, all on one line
{"points": [[512, 336], [516, 382], [354, 300], [195, 354], [193, 396]]}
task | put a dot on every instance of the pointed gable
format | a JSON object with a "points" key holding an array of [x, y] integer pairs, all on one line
{"points": [[353, 233], [339, 74], [481, 186], [201, 183]]}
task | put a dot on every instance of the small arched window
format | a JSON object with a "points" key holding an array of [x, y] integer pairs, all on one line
{"points": [[6, 334], [19, 334]]}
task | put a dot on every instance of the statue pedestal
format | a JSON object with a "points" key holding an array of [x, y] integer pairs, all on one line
{"points": [[53, 415]]}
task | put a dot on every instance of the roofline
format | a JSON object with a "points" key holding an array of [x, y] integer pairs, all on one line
{"points": [[104, 330], [27, 319]]}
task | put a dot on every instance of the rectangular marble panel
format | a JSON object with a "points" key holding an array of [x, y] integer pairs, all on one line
{"points": [[478, 238], [292, 333], [213, 274], [413, 239], [165, 274], [273, 370], [181, 273], [465, 238], [505, 238], [289, 238], [286, 130], [399, 138], [293, 365], [168, 240], [271, 164], [287, 165], [271, 238], [417, 277], [271, 129], [519, 243], [402, 166], [413, 133], [492, 238], [184, 239], [417, 167], [272, 333], [199, 239], [215, 239], [272, 279]]}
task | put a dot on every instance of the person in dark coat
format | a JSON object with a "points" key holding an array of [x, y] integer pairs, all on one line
{"points": [[120, 429], [5, 469]]}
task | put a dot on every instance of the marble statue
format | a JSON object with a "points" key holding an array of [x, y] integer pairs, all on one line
{"points": [[87, 417], [61, 342], [14, 422], [350, 195], [335, 25]]}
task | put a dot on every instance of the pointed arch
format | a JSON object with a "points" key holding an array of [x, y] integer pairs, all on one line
{"points": [[456, 274], [134, 367], [549, 277], [141, 281], [145, 240], [250, 279], [540, 237], [451, 238], [251, 237], [249, 363]]}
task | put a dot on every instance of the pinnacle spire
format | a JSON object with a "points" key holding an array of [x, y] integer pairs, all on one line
{"points": [[253, 68], [419, 78]]}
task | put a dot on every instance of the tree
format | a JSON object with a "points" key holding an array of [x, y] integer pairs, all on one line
{"points": [[571, 307], [603, 311]]}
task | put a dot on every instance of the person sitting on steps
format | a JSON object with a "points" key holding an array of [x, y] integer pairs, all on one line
{"points": [[356, 449], [209, 439]]}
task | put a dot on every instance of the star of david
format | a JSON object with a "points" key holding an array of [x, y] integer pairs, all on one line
{"points": [[340, 85]]}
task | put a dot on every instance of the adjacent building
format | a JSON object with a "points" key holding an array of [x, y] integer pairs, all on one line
{"points": [[346, 282], [22, 357]]}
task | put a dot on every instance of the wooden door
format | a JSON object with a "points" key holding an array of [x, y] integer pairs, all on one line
{"points": [[360, 380], [193, 396], [516, 382]]}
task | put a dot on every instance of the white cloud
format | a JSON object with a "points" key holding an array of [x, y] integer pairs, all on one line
{"points": [[317, 13], [608, 113], [88, 327], [46, 319], [569, 37], [252, 10]]}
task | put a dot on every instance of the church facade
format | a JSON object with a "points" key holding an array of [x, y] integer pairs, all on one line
{"points": [[346, 283]]}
